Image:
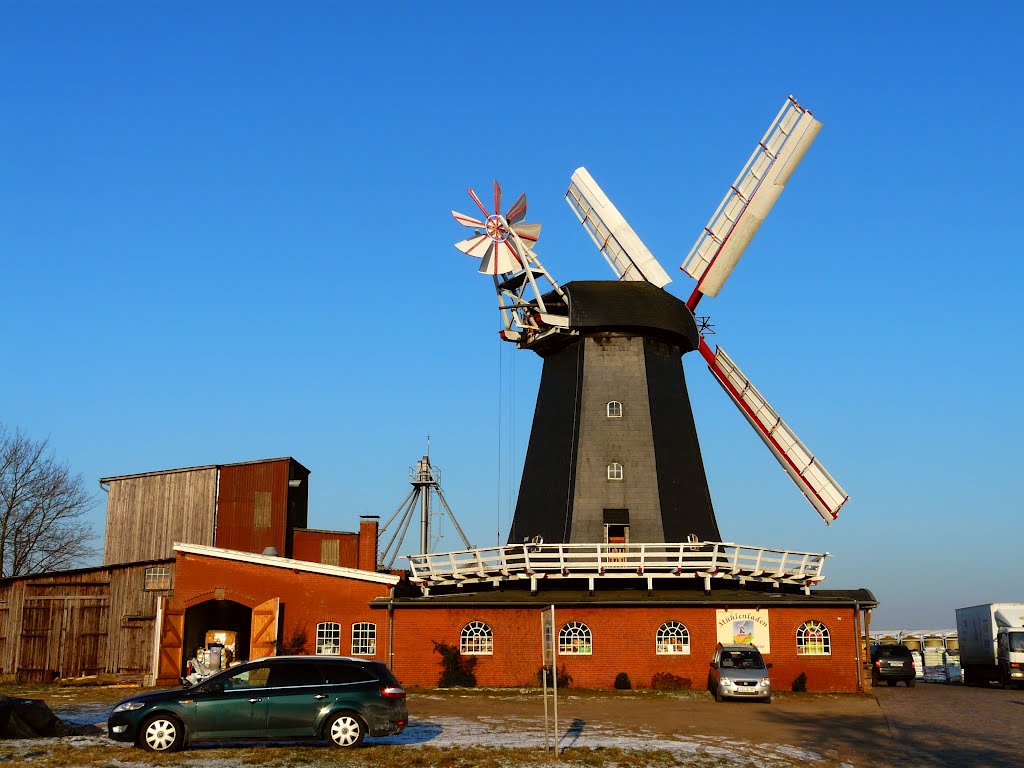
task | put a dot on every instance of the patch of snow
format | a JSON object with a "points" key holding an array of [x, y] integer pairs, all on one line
{"points": [[498, 733]]}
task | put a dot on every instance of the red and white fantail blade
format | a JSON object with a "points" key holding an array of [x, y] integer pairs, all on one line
{"points": [[820, 488], [529, 233], [518, 210], [497, 198], [467, 221], [479, 205], [475, 246], [501, 258]]}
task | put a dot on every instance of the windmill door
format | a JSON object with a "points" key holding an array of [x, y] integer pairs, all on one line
{"points": [[171, 628], [263, 641]]}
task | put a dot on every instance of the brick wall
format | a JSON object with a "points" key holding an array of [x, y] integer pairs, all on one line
{"points": [[367, 543], [306, 598], [623, 638], [623, 641], [308, 545]]}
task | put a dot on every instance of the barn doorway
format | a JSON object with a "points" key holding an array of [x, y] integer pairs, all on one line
{"points": [[217, 622]]}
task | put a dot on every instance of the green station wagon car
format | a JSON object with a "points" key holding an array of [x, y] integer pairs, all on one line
{"points": [[334, 698]]}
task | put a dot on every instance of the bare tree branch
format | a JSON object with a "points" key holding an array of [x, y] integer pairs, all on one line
{"points": [[42, 506]]}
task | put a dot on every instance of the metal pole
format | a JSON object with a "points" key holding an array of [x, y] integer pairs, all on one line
{"points": [[547, 738], [425, 520], [451, 517], [554, 674]]}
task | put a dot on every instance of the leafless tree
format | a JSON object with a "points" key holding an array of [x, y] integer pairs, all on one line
{"points": [[42, 506]]}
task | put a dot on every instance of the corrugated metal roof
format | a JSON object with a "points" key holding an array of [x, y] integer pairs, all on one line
{"points": [[87, 569]]}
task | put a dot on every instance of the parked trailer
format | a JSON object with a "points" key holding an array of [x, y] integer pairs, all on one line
{"points": [[992, 643]]}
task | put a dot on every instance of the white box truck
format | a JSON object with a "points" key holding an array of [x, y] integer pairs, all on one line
{"points": [[992, 643]]}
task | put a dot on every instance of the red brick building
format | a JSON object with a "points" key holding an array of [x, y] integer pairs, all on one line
{"points": [[269, 603], [634, 631], [277, 604]]}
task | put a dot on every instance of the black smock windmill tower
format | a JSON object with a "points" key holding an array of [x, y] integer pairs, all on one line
{"points": [[613, 454]]}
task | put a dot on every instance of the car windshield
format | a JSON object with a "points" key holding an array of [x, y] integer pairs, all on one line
{"points": [[742, 660], [1016, 640]]}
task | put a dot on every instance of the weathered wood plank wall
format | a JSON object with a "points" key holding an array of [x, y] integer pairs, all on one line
{"points": [[87, 621], [146, 514]]}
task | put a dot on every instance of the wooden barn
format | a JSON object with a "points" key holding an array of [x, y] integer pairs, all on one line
{"points": [[89, 621]]}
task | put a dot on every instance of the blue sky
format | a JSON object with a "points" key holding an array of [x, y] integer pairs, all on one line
{"points": [[224, 235]]}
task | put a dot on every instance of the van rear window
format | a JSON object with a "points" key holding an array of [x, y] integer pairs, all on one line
{"points": [[893, 652]]}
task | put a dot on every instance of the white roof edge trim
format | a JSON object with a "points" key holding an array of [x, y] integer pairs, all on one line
{"points": [[286, 562]]}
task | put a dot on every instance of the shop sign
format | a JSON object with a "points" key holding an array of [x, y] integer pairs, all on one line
{"points": [[739, 627]]}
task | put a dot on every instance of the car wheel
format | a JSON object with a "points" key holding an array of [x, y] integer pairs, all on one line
{"points": [[890, 682], [911, 682], [767, 699], [162, 733], [345, 730]]}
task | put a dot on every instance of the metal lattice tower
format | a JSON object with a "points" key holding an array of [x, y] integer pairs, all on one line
{"points": [[426, 482]]}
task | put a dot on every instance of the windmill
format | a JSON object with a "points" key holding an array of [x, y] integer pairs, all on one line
{"points": [[613, 453]]}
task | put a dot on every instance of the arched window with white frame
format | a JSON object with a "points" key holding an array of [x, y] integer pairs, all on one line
{"points": [[812, 639], [614, 409], [615, 471], [673, 639], [477, 640], [574, 639], [328, 638]]}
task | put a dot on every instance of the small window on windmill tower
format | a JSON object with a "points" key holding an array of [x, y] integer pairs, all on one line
{"points": [[614, 410], [261, 509], [615, 471]]}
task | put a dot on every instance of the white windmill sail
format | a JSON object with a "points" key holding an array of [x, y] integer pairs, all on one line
{"points": [[750, 198], [820, 488], [619, 244]]}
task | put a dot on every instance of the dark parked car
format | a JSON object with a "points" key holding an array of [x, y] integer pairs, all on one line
{"points": [[892, 663], [283, 697]]}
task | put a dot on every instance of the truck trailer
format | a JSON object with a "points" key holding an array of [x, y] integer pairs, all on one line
{"points": [[992, 643]]}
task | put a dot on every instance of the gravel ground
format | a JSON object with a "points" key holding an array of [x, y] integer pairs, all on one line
{"points": [[930, 725]]}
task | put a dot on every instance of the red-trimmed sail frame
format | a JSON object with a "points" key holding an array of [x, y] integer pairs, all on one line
{"points": [[734, 223], [820, 488]]}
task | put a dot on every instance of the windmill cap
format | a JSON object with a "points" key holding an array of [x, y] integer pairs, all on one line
{"points": [[611, 305]]}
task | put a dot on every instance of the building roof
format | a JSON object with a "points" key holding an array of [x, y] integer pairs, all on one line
{"points": [[87, 569], [324, 530], [725, 598], [196, 469], [630, 306], [275, 561]]}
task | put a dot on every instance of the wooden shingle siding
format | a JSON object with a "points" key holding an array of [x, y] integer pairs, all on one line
{"points": [[147, 514]]}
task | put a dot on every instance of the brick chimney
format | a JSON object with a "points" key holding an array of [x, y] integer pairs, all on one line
{"points": [[368, 542]]}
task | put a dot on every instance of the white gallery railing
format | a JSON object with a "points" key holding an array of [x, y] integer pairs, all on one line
{"points": [[702, 560]]}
